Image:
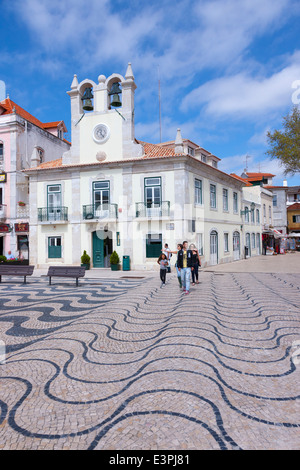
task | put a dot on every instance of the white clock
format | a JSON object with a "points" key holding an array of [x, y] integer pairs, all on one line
{"points": [[101, 133]]}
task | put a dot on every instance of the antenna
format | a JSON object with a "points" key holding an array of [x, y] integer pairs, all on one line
{"points": [[247, 156], [159, 103]]}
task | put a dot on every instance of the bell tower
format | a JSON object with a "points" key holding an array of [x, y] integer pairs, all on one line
{"points": [[130, 148], [102, 119]]}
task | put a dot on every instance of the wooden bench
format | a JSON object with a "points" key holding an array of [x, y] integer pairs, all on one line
{"points": [[16, 270], [66, 271]]}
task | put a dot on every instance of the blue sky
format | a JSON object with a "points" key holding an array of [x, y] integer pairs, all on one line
{"points": [[229, 69]]}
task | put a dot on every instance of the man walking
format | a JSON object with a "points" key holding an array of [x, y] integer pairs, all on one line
{"points": [[184, 264], [168, 254]]}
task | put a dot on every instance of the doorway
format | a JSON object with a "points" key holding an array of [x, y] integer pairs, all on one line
{"points": [[236, 246], [102, 248], [213, 247]]}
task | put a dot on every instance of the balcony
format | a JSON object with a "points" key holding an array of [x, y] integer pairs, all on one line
{"points": [[100, 211], [53, 214], [153, 210]]}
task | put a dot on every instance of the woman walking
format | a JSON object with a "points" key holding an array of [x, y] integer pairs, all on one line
{"points": [[163, 262], [195, 264]]}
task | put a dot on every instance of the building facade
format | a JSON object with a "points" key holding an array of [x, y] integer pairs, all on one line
{"points": [[112, 192], [25, 142], [293, 216]]}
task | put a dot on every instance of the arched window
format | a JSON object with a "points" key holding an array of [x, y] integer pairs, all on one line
{"points": [[41, 154]]}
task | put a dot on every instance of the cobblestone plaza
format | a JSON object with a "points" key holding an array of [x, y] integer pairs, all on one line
{"points": [[120, 363]]}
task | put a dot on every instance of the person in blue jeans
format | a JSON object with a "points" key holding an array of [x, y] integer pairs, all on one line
{"points": [[179, 247], [184, 265]]}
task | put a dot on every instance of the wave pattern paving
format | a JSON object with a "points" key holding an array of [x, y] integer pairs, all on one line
{"points": [[123, 364]]}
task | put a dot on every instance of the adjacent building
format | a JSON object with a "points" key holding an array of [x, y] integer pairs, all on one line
{"points": [[25, 142], [293, 218]]}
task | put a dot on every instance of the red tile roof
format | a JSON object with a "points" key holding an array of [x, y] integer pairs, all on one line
{"points": [[52, 164], [294, 207], [258, 176], [155, 150], [247, 183], [8, 105]]}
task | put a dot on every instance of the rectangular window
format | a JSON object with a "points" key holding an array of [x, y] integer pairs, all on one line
{"points": [[1, 152], [101, 194], [226, 242], [203, 158], [275, 200], [252, 216], [198, 191], [246, 214], [54, 201], [225, 200], [152, 192], [235, 203], [54, 247], [191, 151], [257, 216], [213, 196], [199, 245], [253, 240], [153, 245], [296, 219]]}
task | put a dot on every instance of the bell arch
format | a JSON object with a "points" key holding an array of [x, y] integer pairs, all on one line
{"points": [[85, 96], [110, 81]]}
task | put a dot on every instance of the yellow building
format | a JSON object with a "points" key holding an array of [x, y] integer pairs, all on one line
{"points": [[293, 217]]}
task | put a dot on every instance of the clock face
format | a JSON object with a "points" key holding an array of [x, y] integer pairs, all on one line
{"points": [[101, 133]]}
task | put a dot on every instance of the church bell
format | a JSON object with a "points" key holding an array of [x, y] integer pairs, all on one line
{"points": [[87, 100], [115, 92]]}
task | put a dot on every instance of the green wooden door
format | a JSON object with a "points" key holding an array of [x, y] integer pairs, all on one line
{"points": [[98, 251], [54, 247]]}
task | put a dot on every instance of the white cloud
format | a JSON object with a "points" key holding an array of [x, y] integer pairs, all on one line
{"points": [[184, 38], [242, 95]]}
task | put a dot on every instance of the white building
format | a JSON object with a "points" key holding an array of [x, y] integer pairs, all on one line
{"points": [[25, 142], [113, 192]]}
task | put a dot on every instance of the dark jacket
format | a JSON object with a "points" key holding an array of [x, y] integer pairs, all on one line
{"points": [[180, 259]]}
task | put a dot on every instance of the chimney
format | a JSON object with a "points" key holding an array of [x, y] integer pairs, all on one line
{"points": [[178, 142], [285, 183]]}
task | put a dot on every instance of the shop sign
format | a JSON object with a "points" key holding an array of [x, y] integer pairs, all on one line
{"points": [[22, 227], [2, 177], [5, 228]]}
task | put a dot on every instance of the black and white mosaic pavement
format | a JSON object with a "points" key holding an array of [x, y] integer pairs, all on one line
{"points": [[125, 364]]}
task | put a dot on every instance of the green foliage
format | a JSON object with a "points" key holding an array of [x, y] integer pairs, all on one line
{"points": [[85, 258], [114, 258], [285, 145], [2, 258]]}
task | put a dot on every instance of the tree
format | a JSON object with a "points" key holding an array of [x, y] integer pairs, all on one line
{"points": [[285, 145]]}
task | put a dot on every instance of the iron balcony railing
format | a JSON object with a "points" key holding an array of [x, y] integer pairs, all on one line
{"points": [[55, 214], [161, 209], [100, 211]]}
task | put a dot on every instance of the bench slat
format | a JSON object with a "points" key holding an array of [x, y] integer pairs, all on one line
{"points": [[16, 270], [66, 271]]}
